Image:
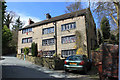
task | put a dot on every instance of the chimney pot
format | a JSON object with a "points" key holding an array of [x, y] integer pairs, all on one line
{"points": [[48, 16], [30, 21]]}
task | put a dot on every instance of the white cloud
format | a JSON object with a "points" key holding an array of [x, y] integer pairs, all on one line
{"points": [[25, 17]]}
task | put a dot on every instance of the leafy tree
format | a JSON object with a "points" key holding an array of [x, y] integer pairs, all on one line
{"points": [[113, 39], [6, 39], [99, 37], [105, 28], [3, 11], [26, 50], [18, 24], [9, 18], [34, 49]]}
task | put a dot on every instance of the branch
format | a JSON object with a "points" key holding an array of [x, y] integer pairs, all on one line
{"points": [[113, 18]]}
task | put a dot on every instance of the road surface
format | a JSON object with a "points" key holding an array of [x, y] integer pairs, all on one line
{"points": [[13, 67]]}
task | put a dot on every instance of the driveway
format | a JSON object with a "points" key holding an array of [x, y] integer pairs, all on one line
{"points": [[13, 67]]}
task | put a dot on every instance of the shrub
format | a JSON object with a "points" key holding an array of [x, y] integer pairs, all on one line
{"points": [[26, 50], [34, 49]]}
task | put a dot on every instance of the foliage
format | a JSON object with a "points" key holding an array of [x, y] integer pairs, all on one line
{"points": [[9, 18], [18, 24], [110, 9], [26, 50], [79, 43], [6, 39], [105, 28], [54, 55], [3, 11], [34, 50], [80, 51], [74, 7], [78, 39], [97, 49], [99, 37], [117, 38]]}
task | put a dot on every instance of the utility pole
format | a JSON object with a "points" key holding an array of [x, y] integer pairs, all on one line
{"points": [[55, 36]]}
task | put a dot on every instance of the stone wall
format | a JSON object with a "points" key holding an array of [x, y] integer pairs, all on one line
{"points": [[109, 57], [51, 63]]}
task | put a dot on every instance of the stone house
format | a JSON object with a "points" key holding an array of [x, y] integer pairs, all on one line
{"points": [[57, 34]]}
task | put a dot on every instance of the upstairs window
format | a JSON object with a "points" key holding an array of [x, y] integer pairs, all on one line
{"points": [[48, 30], [68, 39], [48, 42], [68, 26], [27, 40], [26, 30]]}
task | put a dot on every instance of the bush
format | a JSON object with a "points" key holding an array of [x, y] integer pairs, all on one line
{"points": [[34, 50], [26, 51]]}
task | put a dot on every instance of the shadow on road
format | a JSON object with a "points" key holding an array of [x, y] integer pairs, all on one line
{"points": [[9, 71], [2, 58]]}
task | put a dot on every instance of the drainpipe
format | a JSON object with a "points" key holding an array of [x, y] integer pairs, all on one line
{"points": [[55, 36]]}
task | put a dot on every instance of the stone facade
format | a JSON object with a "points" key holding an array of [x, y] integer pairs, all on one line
{"points": [[84, 24]]}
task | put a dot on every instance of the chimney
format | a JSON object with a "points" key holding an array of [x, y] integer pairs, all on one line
{"points": [[30, 21], [48, 16]]}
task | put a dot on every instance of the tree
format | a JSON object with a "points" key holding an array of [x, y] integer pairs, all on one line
{"points": [[99, 37], [3, 11], [18, 24], [74, 7], [110, 9], [105, 28], [9, 18], [6, 39], [81, 48], [34, 49], [26, 50]]}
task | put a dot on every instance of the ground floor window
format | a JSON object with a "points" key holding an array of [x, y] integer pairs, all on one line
{"points": [[66, 53], [48, 53]]}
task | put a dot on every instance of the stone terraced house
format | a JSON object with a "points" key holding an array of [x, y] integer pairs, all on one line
{"points": [[57, 34]]}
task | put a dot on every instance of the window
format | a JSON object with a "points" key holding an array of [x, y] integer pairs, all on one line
{"points": [[68, 26], [48, 53], [27, 40], [66, 53], [48, 42], [68, 39], [26, 30], [48, 30]]}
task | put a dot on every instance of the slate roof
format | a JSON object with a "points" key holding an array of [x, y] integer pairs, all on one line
{"points": [[57, 18]]}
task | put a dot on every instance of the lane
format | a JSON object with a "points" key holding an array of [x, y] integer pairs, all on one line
{"points": [[13, 67]]}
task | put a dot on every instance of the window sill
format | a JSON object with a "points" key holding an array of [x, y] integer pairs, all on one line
{"points": [[28, 42], [47, 45], [68, 29], [67, 43], [48, 33]]}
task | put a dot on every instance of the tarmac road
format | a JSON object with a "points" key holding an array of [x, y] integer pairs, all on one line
{"points": [[13, 67]]}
